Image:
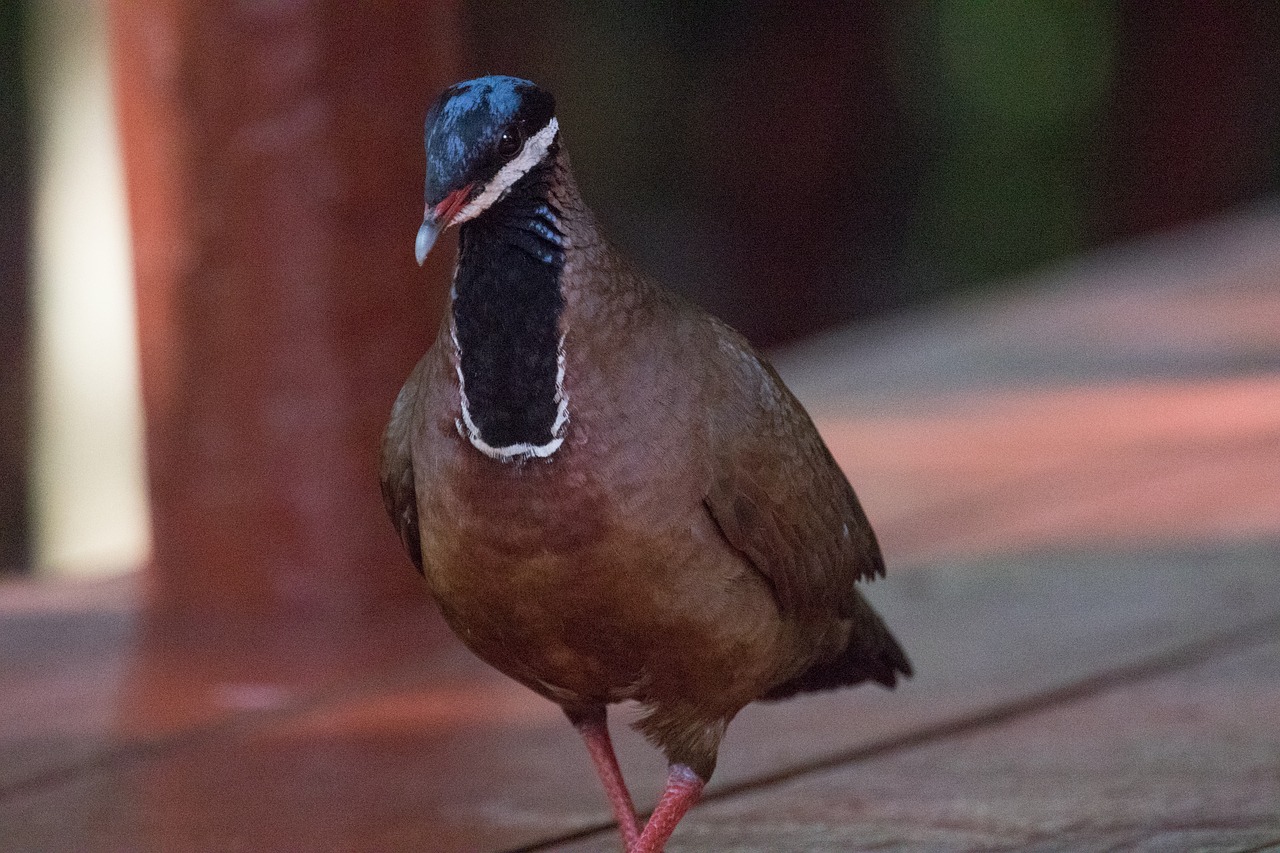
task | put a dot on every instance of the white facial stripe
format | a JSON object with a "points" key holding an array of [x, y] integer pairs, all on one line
{"points": [[514, 452], [535, 148]]}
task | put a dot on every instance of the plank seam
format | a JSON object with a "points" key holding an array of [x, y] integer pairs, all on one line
{"points": [[1155, 666]]}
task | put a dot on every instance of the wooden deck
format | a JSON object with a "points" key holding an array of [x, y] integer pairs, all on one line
{"points": [[1078, 491]]}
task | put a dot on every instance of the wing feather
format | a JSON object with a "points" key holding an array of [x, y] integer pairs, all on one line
{"points": [[399, 494], [777, 494]]}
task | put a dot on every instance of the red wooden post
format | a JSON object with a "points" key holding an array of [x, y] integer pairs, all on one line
{"points": [[274, 167]]}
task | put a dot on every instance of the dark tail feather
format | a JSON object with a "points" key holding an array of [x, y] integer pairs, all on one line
{"points": [[872, 654]]}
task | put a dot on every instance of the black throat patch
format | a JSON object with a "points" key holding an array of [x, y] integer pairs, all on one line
{"points": [[506, 313]]}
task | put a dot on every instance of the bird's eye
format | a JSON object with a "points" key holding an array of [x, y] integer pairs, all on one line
{"points": [[510, 142]]}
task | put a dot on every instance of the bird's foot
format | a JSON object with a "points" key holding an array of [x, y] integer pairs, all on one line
{"points": [[684, 789], [594, 728]]}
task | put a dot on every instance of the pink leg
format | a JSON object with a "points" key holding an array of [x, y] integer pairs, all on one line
{"points": [[594, 729], [684, 788]]}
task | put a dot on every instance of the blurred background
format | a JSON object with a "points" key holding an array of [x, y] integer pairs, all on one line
{"points": [[1020, 261], [793, 167]]}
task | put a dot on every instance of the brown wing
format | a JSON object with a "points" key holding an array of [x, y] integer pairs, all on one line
{"points": [[777, 494], [398, 489]]}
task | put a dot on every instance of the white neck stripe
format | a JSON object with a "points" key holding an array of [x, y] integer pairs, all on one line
{"points": [[534, 150]]}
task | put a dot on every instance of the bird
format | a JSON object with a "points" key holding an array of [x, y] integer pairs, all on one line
{"points": [[609, 493]]}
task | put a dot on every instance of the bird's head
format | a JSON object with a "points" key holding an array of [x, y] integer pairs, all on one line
{"points": [[482, 136]]}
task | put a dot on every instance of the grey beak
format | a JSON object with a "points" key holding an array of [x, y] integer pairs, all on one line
{"points": [[427, 235]]}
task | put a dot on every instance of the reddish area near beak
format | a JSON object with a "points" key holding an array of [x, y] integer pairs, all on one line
{"points": [[436, 219], [449, 207]]}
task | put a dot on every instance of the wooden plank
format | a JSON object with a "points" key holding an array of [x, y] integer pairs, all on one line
{"points": [[1198, 302], [66, 649], [462, 759], [88, 680], [1008, 470], [1186, 761]]}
